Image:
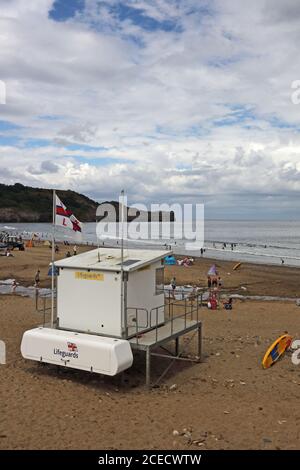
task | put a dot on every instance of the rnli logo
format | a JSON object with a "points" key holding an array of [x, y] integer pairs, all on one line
{"points": [[72, 347]]}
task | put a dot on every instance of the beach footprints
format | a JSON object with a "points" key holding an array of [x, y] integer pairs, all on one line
{"points": [[2, 352]]}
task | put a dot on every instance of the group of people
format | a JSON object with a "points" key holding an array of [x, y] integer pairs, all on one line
{"points": [[185, 262], [68, 254], [214, 281], [214, 284], [224, 245]]}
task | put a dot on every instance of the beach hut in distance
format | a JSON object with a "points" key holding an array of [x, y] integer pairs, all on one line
{"points": [[106, 307]]}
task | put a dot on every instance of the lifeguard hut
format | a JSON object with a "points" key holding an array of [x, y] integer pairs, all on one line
{"points": [[108, 304]]}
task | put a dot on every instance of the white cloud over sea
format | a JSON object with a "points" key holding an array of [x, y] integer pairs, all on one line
{"points": [[172, 100]]}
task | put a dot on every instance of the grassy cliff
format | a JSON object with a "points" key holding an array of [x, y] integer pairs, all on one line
{"points": [[20, 203]]}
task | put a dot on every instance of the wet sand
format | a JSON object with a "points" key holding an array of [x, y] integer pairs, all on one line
{"points": [[249, 279], [225, 402]]}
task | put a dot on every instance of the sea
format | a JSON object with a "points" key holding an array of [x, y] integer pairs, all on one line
{"points": [[266, 242]]}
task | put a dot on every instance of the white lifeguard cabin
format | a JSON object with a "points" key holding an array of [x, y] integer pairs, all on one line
{"points": [[106, 306], [91, 297]]}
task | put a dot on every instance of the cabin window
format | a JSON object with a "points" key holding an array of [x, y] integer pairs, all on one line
{"points": [[159, 281]]}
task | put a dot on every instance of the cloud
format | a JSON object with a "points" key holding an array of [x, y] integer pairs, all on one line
{"points": [[45, 168], [187, 100]]}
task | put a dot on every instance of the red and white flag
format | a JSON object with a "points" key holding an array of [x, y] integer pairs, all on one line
{"points": [[65, 218]]}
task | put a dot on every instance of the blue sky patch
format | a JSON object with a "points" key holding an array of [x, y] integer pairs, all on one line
{"points": [[197, 130], [85, 147], [50, 117], [10, 141], [274, 121], [62, 10], [36, 143], [237, 115], [101, 161], [8, 126], [137, 16]]}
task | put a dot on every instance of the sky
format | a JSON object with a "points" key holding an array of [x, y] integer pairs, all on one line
{"points": [[179, 101]]}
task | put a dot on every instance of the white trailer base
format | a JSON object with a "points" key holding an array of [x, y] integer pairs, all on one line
{"points": [[98, 354]]}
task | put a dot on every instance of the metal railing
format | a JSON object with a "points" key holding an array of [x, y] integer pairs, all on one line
{"points": [[170, 294], [43, 305], [172, 308]]}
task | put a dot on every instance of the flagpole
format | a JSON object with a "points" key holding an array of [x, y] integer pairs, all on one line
{"points": [[123, 313], [98, 241], [122, 229], [53, 256]]}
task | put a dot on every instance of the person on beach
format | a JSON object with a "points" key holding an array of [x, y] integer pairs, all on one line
{"points": [[14, 286], [193, 294], [56, 249], [282, 261], [209, 282], [37, 278], [75, 250], [173, 286], [8, 252], [220, 282], [68, 254], [227, 304], [201, 251]]}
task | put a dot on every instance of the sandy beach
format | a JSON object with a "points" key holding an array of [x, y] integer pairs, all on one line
{"points": [[225, 402]]}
